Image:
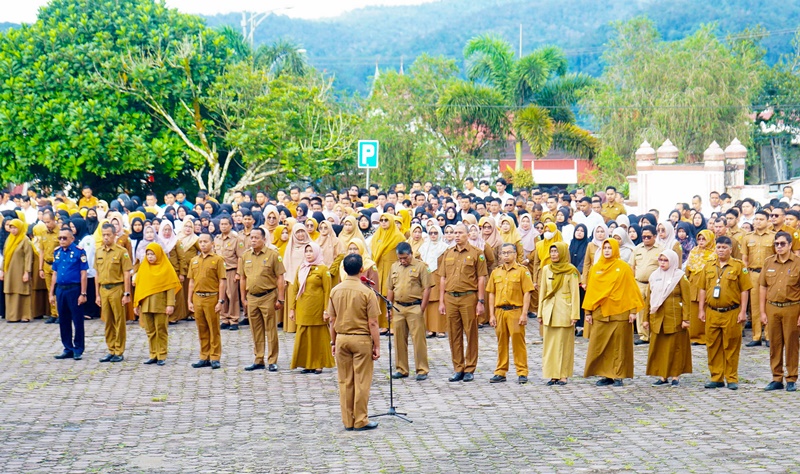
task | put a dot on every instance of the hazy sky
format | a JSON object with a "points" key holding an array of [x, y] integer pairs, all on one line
{"points": [[17, 11]]}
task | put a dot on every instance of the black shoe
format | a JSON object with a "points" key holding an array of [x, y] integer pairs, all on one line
{"points": [[640, 342], [161, 362], [791, 387], [561, 382], [201, 363], [753, 343], [421, 377], [149, 361], [676, 382], [172, 323], [733, 386], [497, 379], [369, 426], [215, 364], [348, 429], [244, 322], [660, 382], [766, 343], [522, 380], [398, 375], [748, 325], [579, 332], [118, 358], [481, 325], [605, 381], [773, 386], [273, 367], [77, 356], [307, 371], [456, 377], [107, 358], [224, 326], [468, 377], [253, 367], [551, 382], [51, 320], [618, 382], [714, 384], [234, 327]]}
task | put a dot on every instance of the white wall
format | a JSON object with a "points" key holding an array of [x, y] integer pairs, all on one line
{"points": [[665, 185]]}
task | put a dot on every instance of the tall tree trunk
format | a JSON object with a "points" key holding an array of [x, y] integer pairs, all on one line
{"points": [[518, 153]]}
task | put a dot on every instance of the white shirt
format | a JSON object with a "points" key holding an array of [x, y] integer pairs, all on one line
{"points": [[31, 215], [503, 196], [591, 221], [87, 244], [477, 192]]}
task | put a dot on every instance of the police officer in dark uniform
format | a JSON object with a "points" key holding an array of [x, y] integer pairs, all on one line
{"points": [[68, 292]]}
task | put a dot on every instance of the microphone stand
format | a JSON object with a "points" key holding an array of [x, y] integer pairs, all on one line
{"points": [[392, 410]]}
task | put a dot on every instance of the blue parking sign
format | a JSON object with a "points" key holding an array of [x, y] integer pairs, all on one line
{"points": [[368, 153]]}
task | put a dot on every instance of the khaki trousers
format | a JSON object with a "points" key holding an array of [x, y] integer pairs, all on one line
{"points": [[261, 313], [354, 364], [155, 325], [461, 321], [508, 327], [723, 342], [759, 331], [644, 334], [207, 321], [405, 319], [48, 279], [114, 315], [230, 310], [783, 341]]}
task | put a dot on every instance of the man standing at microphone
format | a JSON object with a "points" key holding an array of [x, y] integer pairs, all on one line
{"points": [[355, 343]]}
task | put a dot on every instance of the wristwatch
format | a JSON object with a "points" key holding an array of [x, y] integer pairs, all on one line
{"points": [[220, 301], [481, 301], [84, 294], [126, 294]]}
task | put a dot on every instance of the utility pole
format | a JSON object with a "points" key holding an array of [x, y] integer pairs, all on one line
{"points": [[249, 24]]}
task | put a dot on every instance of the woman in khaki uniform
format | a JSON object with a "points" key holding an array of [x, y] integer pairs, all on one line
{"points": [[16, 275], [611, 304], [699, 256], [667, 319], [169, 242], [309, 310], [188, 250], [384, 243], [492, 237], [430, 252], [40, 304], [559, 309], [157, 286], [293, 258], [590, 257]]}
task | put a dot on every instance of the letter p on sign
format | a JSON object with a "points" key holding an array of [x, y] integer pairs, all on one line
{"points": [[368, 153]]}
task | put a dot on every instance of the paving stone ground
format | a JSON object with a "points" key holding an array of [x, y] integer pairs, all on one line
{"points": [[84, 416]]}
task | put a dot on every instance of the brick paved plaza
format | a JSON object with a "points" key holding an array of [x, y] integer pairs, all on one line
{"points": [[84, 416]]}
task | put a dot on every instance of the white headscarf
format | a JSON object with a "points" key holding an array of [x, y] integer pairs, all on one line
{"points": [[430, 251], [670, 241], [662, 282], [167, 244], [626, 247]]}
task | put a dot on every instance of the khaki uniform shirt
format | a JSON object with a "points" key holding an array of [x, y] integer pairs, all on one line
{"points": [[462, 268], [757, 247], [794, 233], [245, 238], [158, 302], [353, 305], [230, 248], [733, 280], [111, 264], [207, 272], [736, 233], [48, 243], [781, 279], [91, 202], [509, 283], [610, 211], [409, 283], [261, 269], [645, 261]]}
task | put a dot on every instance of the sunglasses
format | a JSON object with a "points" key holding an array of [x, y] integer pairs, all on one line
{"points": [[63, 238], [776, 215], [647, 236], [781, 244], [384, 220]]}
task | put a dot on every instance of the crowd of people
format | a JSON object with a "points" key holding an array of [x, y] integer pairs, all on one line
{"points": [[450, 261]]}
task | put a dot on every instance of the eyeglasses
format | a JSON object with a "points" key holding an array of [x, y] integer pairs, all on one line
{"points": [[776, 215], [647, 236], [507, 252], [487, 226], [384, 220], [781, 244], [63, 238]]}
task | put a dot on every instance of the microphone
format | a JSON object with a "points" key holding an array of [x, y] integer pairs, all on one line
{"points": [[367, 281]]}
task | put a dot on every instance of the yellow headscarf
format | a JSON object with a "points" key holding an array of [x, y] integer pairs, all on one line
{"points": [[135, 214], [13, 241], [561, 268], [366, 263], [38, 231], [611, 285], [346, 237], [276, 240], [404, 215], [415, 245], [155, 278], [314, 234], [386, 240], [543, 246], [512, 236], [699, 256]]}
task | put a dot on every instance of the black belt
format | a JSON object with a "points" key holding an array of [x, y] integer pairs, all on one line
{"points": [[111, 285], [783, 304], [642, 282], [755, 270], [458, 294], [726, 309], [259, 295], [508, 307], [65, 286], [199, 293], [346, 334], [410, 303]]}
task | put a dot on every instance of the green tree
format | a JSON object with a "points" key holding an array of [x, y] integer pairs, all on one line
{"points": [[60, 124], [539, 92]]}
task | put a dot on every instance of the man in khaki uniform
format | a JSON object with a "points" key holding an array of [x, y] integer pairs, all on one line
{"points": [[206, 289], [355, 342], [645, 262], [734, 231], [113, 266], [611, 208], [723, 308], [262, 286], [461, 298], [409, 290], [777, 217], [720, 228], [756, 247], [48, 243], [780, 311], [230, 247], [509, 288]]}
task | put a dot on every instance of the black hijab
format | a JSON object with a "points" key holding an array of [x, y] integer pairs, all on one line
{"points": [[81, 229], [137, 235], [638, 230], [577, 247]]}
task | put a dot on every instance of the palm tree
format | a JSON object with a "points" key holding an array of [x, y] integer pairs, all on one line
{"points": [[538, 89], [282, 57]]}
